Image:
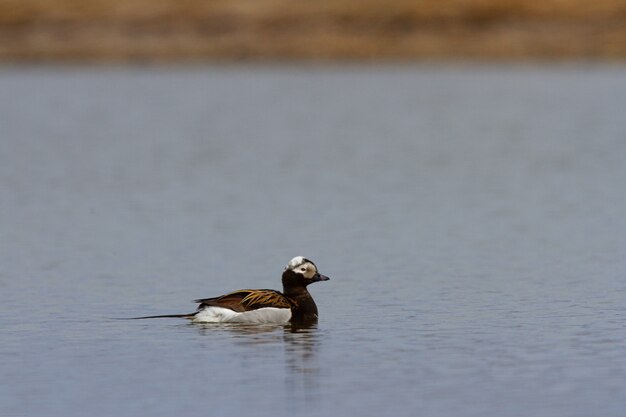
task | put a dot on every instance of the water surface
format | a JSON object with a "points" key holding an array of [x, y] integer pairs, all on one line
{"points": [[471, 220]]}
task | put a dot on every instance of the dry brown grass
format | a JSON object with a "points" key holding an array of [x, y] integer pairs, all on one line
{"points": [[100, 30]]}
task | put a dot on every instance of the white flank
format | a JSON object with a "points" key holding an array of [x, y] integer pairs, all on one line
{"points": [[225, 315]]}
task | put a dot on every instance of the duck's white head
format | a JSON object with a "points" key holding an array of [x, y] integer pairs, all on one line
{"points": [[305, 267]]}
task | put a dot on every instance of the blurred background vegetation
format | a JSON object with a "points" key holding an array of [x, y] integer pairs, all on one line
{"points": [[187, 30]]}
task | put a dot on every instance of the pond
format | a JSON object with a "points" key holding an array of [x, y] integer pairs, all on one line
{"points": [[471, 219]]}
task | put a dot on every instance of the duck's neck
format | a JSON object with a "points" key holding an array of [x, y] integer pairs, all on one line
{"points": [[304, 309]]}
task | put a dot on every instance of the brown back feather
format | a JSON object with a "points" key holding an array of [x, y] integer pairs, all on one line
{"points": [[246, 300]]}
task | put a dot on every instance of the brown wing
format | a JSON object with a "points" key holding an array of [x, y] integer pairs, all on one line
{"points": [[246, 300]]}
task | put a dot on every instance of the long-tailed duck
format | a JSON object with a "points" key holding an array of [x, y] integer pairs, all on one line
{"points": [[294, 304]]}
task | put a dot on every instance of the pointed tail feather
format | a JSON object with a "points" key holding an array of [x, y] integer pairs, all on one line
{"points": [[184, 316]]}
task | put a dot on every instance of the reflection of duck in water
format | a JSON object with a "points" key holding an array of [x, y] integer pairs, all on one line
{"points": [[294, 304]]}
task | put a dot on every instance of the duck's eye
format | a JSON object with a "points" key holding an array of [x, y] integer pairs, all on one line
{"points": [[302, 269]]}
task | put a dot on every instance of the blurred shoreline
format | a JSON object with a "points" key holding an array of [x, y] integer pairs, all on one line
{"points": [[242, 30]]}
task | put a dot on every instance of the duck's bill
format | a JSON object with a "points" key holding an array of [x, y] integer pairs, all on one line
{"points": [[320, 277]]}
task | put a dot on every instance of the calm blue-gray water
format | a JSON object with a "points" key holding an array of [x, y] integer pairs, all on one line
{"points": [[472, 221]]}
